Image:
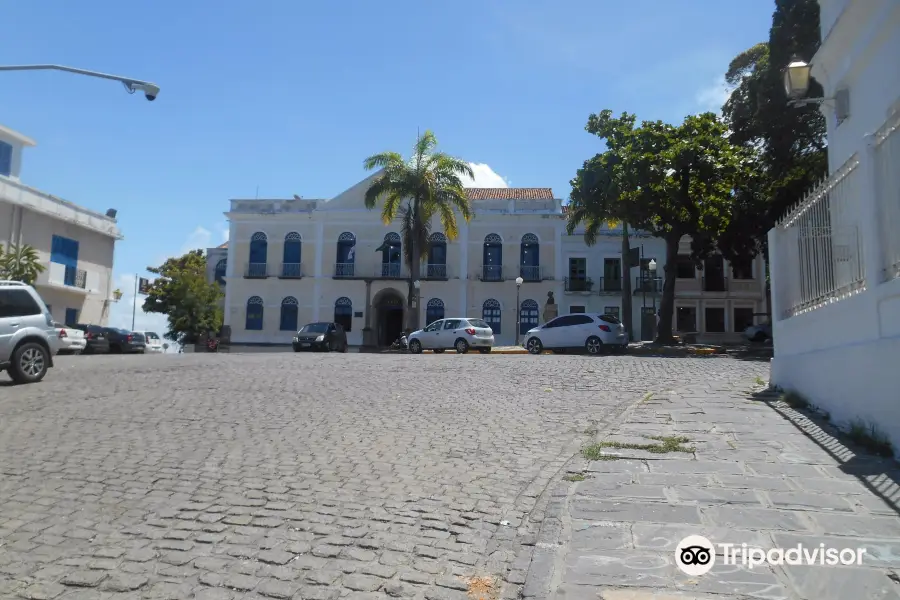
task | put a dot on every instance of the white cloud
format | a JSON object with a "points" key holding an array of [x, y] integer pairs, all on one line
{"points": [[200, 238], [712, 97], [485, 177]]}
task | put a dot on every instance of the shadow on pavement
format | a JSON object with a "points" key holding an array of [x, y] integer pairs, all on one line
{"points": [[880, 475]]}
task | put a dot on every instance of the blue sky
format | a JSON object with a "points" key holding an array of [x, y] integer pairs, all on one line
{"points": [[289, 97]]}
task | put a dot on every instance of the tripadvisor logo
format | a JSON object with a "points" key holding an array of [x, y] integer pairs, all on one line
{"points": [[695, 555]]}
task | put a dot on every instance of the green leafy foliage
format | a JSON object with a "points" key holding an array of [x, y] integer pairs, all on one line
{"points": [[427, 185], [789, 140], [20, 263], [182, 293], [670, 180]]}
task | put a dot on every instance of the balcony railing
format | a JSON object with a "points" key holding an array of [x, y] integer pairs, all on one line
{"points": [[257, 271], [492, 272], [435, 271], [344, 270], [75, 277], [531, 272], [291, 271], [578, 284], [609, 285], [391, 271], [648, 285]]}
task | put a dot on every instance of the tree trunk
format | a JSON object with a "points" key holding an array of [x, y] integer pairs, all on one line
{"points": [[627, 316], [667, 303], [412, 305]]}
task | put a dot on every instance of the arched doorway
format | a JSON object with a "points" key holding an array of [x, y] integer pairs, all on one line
{"points": [[389, 307]]}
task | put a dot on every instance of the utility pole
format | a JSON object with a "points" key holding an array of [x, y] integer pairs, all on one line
{"points": [[134, 301]]}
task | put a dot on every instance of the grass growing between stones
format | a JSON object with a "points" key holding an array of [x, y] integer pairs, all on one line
{"points": [[662, 445], [574, 477], [795, 400], [870, 437]]}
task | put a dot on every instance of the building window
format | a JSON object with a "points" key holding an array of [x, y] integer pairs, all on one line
{"points": [[221, 268], [715, 319], [5, 159], [64, 251], [576, 310], [577, 280], [259, 255], [743, 318], [492, 258], [612, 275], [291, 255], [742, 268], [686, 319], [346, 256], [391, 255], [71, 317], [528, 316], [343, 313], [684, 267], [530, 269], [434, 311], [490, 312], [437, 256], [611, 310], [289, 314], [254, 320]]}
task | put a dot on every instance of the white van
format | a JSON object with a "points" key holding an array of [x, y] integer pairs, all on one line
{"points": [[154, 342]]}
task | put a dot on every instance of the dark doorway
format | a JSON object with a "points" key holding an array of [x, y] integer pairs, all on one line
{"points": [[388, 317], [714, 274], [648, 324]]}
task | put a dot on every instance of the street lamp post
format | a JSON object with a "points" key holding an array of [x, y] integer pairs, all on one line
{"points": [[416, 286], [652, 267], [151, 90], [519, 282]]}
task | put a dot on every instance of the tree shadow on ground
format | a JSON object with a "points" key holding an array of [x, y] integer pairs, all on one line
{"points": [[880, 475]]}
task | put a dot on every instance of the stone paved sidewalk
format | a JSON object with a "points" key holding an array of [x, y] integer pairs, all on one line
{"points": [[761, 474]]}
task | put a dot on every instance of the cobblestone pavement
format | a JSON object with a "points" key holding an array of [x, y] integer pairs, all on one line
{"points": [[298, 476], [756, 472]]}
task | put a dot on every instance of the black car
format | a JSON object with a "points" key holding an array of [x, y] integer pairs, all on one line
{"points": [[124, 342], [327, 337], [95, 337]]}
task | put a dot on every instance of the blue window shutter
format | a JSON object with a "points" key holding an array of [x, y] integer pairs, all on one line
{"points": [[56, 250], [71, 316], [73, 253], [5, 159]]}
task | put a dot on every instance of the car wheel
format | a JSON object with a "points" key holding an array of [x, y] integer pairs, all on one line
{"points": [[534, 345], [484, 350], [29, 363], [593, 345], [462, 346], [344, 348], [415, 347], [439, 350], [296, 349]]}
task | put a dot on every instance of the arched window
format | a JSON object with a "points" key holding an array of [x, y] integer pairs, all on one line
{"points": [[437, 256], [254, 321], [434, 310], [391, 255], [346, 255], [530, 268], [289, 314], [291, 258], [490, 312], [259, 255], [528, 316], [343, 312], [221, 268], [492, 263]]}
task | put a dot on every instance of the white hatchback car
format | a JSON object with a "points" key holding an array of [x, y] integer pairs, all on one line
{"points": [[153, 341], [458, 333], [590, 332]]}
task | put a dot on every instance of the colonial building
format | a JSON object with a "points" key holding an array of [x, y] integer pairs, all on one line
{"points": [[75, 244], [290, 262]]}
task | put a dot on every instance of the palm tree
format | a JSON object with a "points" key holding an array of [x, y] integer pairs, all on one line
{"points": [[429, 184], [20, 263]]}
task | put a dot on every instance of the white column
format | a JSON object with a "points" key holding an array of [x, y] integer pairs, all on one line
{"points": [[231, 268], [463, 241], [320, 250], [869, 226], [558, 253]]}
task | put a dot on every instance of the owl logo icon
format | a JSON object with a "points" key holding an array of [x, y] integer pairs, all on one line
{"points": [[695, 555]]}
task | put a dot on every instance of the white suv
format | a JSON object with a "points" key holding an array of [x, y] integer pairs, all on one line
{"points": [[28, 340], [590, 332]]}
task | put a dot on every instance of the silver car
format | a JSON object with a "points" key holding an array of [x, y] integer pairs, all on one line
{"points": [[28, 340], [460, 334]]}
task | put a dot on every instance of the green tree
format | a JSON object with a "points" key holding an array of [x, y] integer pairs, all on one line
{"points": [[672, 181], [429, 184], [182, 293], [20, 263], [594, 203], [789, 140]]}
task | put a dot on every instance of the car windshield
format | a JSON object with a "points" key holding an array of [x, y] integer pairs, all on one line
{"points": [[315, 328], [479, 323]]}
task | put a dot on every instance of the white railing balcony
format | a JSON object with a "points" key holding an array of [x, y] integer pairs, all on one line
{"points": [[818, 245], [344, 270], [391, 271], [887, 194], [435, 271], [531, 272], [291, 271]]}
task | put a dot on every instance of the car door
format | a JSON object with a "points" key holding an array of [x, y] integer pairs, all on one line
{"points": [[552, 331], [331, 336], [340, 335], [429, 335], [583, 327], [449, 333]]}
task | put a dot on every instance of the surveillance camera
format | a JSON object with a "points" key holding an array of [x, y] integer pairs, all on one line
{"points": [[151, 91]]}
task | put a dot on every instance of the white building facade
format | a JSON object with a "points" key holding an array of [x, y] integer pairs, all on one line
{"points": [[291, 262], [75, 245], [835, 258]]}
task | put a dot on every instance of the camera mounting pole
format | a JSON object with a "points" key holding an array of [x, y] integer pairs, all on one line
{"points": [[151, 89]]}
